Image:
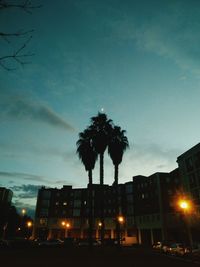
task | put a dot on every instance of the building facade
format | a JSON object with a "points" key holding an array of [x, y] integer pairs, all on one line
{"points": [[189, 167], [155, 215], [64, 212], [5, 203], [148, 205]]}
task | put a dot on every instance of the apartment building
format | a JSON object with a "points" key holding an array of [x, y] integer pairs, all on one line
{"points": [[148, 205], [64, 212], [155, 215], [189, 167], [5, 203]]}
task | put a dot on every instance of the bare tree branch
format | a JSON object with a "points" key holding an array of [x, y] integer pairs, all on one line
{"points": [[24, 5], [6, 36], [17, 56]]}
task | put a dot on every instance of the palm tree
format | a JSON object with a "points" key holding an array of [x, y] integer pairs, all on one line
{"points": [[117, 145], [101, 128], [88, 156]]}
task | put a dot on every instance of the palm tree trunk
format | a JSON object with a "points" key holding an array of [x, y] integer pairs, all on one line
{"points": [[101, 169], [117, 204], [90, 219], [102, 195]]}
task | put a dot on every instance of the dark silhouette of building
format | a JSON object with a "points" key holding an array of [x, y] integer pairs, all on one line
{"points": [[5, 205], [148, 205], [64, 212]]}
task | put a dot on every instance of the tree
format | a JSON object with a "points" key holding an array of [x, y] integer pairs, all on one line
{"points": [[19, 55], [88, 156], [118, 143], [101, 128]]}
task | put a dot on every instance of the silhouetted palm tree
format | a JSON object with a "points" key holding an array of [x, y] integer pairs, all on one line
{"points": [[101, 128], [118, 143], [88, 156]]}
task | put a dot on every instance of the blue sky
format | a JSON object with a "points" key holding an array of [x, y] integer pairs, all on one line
{"points": [[138, 60]]}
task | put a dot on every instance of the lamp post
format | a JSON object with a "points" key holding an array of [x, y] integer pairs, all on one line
{"points": [[66, 225], [120, 221], [186, 207], [99, 230], [29, 225]]}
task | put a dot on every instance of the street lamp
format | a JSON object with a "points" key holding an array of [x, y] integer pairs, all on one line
{"points": [[67, 226], [29, 224], [23, 212], [120, 221], [186, 207]]}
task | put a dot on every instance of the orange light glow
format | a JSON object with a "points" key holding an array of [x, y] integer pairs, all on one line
{"points": [[121, 219]]}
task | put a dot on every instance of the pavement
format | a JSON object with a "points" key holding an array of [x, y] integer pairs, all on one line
{"points": [[76, 257]]}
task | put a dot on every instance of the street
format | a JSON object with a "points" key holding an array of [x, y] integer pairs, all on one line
{"points": [[72, 257]]}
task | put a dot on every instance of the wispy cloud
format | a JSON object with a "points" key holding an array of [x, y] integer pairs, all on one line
{"points": [[26, 191], [167, 28], [14, 176], [144, 159], [22, 108], [24, 176], [29, 207]]}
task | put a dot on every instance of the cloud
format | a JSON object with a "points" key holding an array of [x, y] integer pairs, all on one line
{"points": [[27, 191], [35, 178], [144, 159], [169, 29], [21, 205], [24, 176], [22, 108]]}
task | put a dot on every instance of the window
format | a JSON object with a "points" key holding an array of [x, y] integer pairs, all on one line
{"points": [[129, 188], [45, 203], [46, 194], [44, 212], [77, 203], [130, 210], [76, 212], [189, 164], [43, 221], [77, 194], [192, 180], [197, 159], [129, 198]]}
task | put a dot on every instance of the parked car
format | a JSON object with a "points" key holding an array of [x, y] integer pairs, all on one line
{"points": [[166, 245], [157, 245], [177, 249], [51, 243], [85, 242]]}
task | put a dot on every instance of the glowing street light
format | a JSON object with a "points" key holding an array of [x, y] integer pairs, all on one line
{"points": [[23, 212], [120, 219], [63, 223], [66, 225], [29, 224], [100, 224], [186, 206]]}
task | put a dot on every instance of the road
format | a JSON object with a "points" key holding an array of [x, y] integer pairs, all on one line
{"points": [[61, 257]]}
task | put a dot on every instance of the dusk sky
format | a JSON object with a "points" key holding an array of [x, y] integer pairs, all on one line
{"points": [[137, 60]]}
